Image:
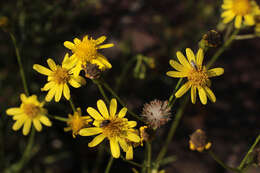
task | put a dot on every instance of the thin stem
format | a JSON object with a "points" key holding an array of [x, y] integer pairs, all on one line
{"points": [[17, 167], [244, 37], [240, 167], [171, 133], [124, 73], [101, 90], [221, 163], [109, 164], [60, 118], [149, 156], [222, 49], [119, 99], [72, 105], [172, 98], [2, 149], [17, 52], [131, 162], [99, 158]]}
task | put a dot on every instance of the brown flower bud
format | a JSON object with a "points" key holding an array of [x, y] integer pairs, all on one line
{"points": [[198, 141]]}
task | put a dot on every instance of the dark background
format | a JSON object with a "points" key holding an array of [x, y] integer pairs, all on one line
{"points": [[152, 28]]}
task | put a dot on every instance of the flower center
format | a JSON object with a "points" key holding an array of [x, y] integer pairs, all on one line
{"points": [[31, 110], [198, 77], [61, 75], [241, 7], [115, 127], [76, 123], [86, 50]]}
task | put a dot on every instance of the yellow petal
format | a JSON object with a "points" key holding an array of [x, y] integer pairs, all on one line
{"points": [[66, 91], [100, 40], [18, 124], [23, 98], [105, 46], [102, 108], [122, 112], [238, 22], [37, 125], [183, 90], [123, 144], [190, 55], [76, 41], [114, 147], [97, 140], [52, 64], [77, 81], [69, 45], [133, 137], [48, 86], [94, 113], [104, 61], [210, 94], [45, 120], [58, 93], [113, 107], [27, 127], [249, 20], [193, 94], [50, 94], [182, 59], [14, 111], [90, 131], [129, 153], [227, 13], [176, 74], [226, 6], [202, 95], [42, 70], [215, 72], [176, 65], [200, 57], [132, 124]]}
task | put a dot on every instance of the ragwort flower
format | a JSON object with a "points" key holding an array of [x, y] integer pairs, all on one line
{"points": [[115, 127], [86, 51], [30, 111], [197, 75], [243, 11], [76, 122], [58, 78]]}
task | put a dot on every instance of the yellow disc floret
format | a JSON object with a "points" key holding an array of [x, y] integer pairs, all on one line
{"points": [[241, 7]]}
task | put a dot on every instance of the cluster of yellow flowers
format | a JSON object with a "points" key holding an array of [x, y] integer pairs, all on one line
{"points": [[107, 123]]}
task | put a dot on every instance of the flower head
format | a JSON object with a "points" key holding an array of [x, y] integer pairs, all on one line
{"points": [[198, 141], [86, 51], [58, 78], [243, 11], [115, 127], [197, 75], [30, 111], [156, 113], [76, 122]]}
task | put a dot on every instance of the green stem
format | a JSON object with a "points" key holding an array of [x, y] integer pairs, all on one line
{"points": [[149, 156], [222, 49], [172, 98], [2, 145], [119, 99], [17, 167], [60, 118], [171, 133], [99, 159], [25, 86], [221, 163], [72, 105], [240, 167], [124, 72], [101, 90], [109, 164], [244, 37], [131, 162]]}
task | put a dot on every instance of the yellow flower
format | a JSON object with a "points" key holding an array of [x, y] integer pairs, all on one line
{"points": [[86, 51], [243, 11], [30, 111], [197, 75], [113, 126], [58, 78], [198, 141], [76, 122]]}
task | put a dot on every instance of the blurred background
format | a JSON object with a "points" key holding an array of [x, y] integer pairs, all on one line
{"points": [[154, 30]]}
